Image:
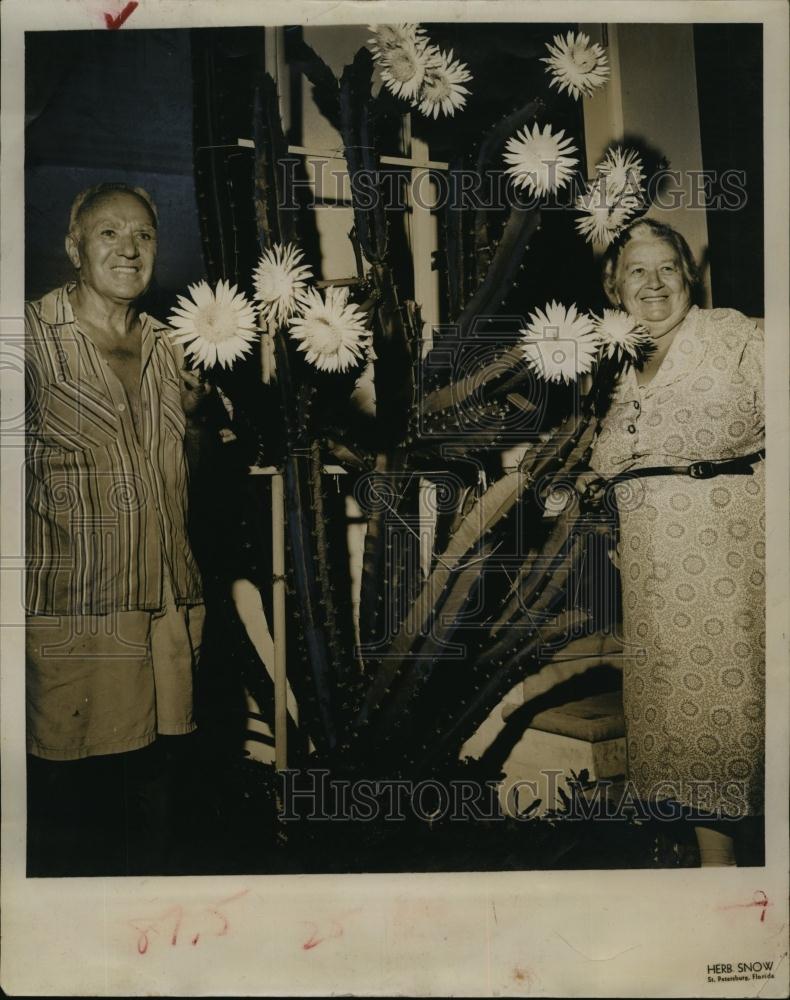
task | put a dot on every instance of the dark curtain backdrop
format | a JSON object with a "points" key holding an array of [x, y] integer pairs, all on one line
{"points": [[109, 105], [729, 60]]}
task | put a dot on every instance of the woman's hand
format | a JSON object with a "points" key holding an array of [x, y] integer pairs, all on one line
{"points": [[590, 486]]}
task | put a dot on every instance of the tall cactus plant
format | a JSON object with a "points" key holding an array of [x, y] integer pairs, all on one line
{"points": [[369, 706]]}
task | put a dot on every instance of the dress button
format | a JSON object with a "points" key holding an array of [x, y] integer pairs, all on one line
{"points": [[121, 407], [631, 429], [636, 404]]}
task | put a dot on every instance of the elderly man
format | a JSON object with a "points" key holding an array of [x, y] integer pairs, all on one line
{"points": [[113, 593]]}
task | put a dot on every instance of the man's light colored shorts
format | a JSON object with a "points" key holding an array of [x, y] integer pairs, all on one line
{"points": [[101, 684]]}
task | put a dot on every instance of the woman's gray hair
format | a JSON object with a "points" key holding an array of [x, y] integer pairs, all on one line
{"points": [[86, 199], [659, 230]]}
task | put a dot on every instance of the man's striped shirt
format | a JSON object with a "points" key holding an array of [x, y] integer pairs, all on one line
{"points": [[106, 510]]}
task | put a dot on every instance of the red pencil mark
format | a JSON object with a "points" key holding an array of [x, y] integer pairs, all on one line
{"points": [[319, 935], [313, 940], [335, 931], [760, 900], [203, 921], [146, 928], [176, 926], [113, 23], [216, 912]]}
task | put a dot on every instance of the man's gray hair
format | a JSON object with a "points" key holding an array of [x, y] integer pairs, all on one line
{"points": [[90, 196]]}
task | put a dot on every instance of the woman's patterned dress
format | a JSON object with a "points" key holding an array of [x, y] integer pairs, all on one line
{"points": [[691, 556]]}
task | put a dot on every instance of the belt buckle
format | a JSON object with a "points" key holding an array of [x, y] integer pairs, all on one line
{"points": [[702, 470]]}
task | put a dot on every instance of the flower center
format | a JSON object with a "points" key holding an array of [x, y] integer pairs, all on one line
{"points": [[215, 323], [545, 150], [402, 64], [583, 57], [329, 339], [437, 87], [275, 285], [541, 159]]}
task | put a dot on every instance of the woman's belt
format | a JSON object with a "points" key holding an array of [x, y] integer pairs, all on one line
{"points": [[740, 466]]}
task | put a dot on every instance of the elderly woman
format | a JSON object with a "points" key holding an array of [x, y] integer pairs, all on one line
{"points": [[113, 593], [689, 428]]}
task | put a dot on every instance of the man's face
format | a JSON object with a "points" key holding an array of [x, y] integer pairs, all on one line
{"points": [[652, 285], [116, 248]]}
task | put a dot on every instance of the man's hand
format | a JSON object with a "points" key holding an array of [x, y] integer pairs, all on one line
{"points": [[194, 392]]}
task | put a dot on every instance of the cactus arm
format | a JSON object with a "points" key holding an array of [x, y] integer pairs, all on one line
{"points": [[521, 225], [490, 147], [486, 381], [322, 551], [381, 575], [495, 138], [308, 593], [454, 246], [543, 583], [274, 205], [363, 66], [395, 341], [346, 452], [498, 501], [370, 594], [356, 130], [497, 677], [317, 708]]}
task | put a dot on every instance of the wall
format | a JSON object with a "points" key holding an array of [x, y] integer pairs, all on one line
{"points": [[651, 100]]}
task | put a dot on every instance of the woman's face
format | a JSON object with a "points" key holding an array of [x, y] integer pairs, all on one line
{"points": [[116, 248], [651, 284]]}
